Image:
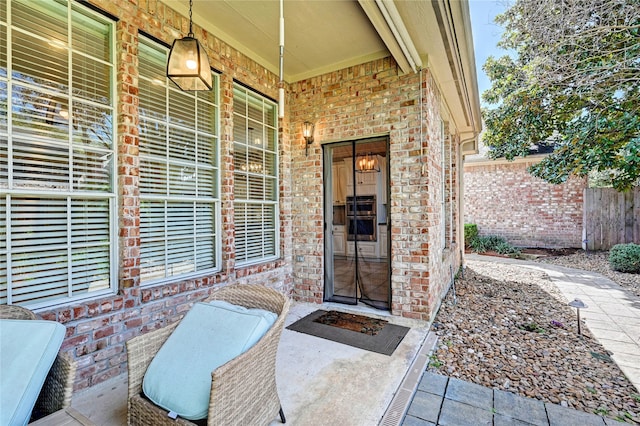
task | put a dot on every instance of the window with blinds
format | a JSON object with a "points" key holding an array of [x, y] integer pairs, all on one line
{"points": [[255, 174], [57, 156], [445, 209], [179, 190]]}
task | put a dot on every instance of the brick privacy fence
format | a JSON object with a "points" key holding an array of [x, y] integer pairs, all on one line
{"points": [[503, 199], [357, 102]]}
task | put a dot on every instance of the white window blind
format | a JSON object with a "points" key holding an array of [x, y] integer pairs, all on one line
{"points": [[445, 187], [255, 177], [57, 157], [179, 172]]}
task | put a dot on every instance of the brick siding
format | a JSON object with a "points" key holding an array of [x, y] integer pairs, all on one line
{"points": [[364, 101], [357, 102]]}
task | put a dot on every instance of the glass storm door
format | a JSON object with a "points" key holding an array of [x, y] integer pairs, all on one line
{"points": [[357, 223]]}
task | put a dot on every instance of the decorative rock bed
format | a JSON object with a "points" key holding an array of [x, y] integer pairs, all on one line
{"points": [[511, 329]]}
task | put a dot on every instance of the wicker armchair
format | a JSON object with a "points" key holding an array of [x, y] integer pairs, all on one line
{"points": [[58, 386], [243, 391]]}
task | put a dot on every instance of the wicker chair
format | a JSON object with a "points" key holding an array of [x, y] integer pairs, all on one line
{"points": [[58, 386], [243, 391]]}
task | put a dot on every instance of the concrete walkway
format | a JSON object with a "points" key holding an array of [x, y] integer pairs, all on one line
{"points": [[612, 316]]}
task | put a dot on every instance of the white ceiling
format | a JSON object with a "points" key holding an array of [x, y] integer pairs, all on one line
{"points": [[320, 35], [327, 35]]}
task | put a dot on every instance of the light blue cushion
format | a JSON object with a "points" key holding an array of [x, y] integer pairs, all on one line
{"points": [[211, 334], [29, 348]]}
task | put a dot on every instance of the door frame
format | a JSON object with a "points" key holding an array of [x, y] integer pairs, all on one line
{"points": [[329, 266]]}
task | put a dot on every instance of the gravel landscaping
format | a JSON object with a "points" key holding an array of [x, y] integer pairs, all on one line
{"points": [[509, 328]]}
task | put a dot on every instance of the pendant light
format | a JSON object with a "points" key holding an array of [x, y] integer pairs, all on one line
{"points": [[367, 163], [188, 64]]}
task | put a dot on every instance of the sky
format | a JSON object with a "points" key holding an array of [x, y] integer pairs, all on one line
{"points": [[486, 34]]}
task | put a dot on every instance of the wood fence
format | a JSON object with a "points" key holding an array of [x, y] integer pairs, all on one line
{"points": [[610, 218]]}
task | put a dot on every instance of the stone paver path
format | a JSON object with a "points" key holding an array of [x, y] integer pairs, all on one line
{"points": [[440, 400]]}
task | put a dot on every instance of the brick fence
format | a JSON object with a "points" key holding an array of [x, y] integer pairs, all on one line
{"points": [[503, 199]]}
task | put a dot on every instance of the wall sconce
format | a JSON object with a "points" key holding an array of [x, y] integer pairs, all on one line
{"points": [[367, 163], [254, 137], [57, 108], [307, 132], [188, 64]]}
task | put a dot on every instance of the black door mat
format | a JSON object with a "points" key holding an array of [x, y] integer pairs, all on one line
{"points": [[374, 334]]}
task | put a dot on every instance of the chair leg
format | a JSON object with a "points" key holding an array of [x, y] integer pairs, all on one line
{"points": [[282, 416]]}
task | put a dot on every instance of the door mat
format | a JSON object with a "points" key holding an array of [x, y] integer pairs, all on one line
{"points": [[359, 331]]}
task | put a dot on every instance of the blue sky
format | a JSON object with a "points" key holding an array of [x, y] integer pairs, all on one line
{"points": [[486, 34]]}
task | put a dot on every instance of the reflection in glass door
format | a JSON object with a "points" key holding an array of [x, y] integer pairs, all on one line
{"points": [[357, 223]]}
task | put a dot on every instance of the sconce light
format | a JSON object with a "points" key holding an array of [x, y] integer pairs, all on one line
{"points": [[57, 109], [307, 132], [254, 136], [188, 64], [367, 163]]}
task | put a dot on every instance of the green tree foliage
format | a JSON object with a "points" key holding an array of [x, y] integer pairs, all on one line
{"points": [[574, 82]]}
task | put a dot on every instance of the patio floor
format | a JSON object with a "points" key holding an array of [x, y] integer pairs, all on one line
{"points": [[320, 382]]}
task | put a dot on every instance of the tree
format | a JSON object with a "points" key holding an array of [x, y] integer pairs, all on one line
{"points": [[574, 82]]}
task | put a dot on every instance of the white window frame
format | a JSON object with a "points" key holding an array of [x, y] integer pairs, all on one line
{"points": [[66, 193], [443, 176], [252, 96], [167, 198]]}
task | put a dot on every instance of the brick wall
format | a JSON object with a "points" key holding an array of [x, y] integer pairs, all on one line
{"points": [[503, 199], [97, 330], [357, 102]]}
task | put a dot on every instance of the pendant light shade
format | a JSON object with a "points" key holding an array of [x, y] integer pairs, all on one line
{"points": [[188, 64]]}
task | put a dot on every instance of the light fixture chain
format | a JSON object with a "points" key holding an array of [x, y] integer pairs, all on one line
{"points": [[190, 18]]}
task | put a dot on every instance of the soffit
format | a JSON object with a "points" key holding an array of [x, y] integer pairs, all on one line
{"points": [[328, 35], [320, 35], [441, 31]]}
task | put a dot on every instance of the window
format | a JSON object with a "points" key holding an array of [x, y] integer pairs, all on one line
{"points": [[57, 157], [255, 175], [445, 170], [179, 201]]}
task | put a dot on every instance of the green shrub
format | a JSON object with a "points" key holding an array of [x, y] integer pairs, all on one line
{"points": [[492, 243], [470, 233], [486, 243], [478, 245], [506, 248], [625, 258]]}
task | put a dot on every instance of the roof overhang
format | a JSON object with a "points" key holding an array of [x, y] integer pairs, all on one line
{"points": [[323, 36]]}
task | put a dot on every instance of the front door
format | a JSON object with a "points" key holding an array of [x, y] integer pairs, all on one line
{"points": [[357, 222]]}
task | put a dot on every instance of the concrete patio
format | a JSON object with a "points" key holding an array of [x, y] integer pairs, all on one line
{"points": [[320, 382]]}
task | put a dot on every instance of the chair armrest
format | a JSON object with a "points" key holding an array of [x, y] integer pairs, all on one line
{"points": [[245, 385], [58, 387]]}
